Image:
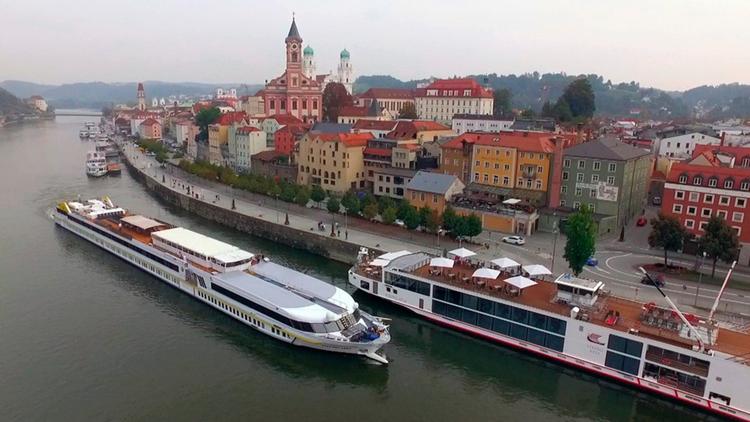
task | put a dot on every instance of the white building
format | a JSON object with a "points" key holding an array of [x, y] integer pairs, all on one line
{"points": [[38, 102], [681, 147], [222, 94], [244, 142], [345, 71], [308, 62], [184, 131], [444, 98], [463, 123]]}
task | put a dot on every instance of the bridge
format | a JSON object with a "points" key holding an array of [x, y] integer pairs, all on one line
{"points": [[78, 113]]}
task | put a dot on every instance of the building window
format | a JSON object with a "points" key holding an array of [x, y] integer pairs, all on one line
{"points": [[495, 179], [697, 180], [708, 198], [694, 196], [581, 164], [737, 217], [745, 185], [612, 167], [721, 214], [677, 208], [592, 193], [579, 177], [691, 210], [315, 104], [576, 205], [565, 175], [689, 224], [597, 165], [540, 169], [702, 225], [594, 178], [486, 178], [538, 184], [564, 189], [592, 207], [506, 180], [679, 194], [728, 184], [712, 182], [579, 191], [562, 202], [740, 202], [682, 179], [566, 163], [706, 212], [610, 180], [723, 200]]}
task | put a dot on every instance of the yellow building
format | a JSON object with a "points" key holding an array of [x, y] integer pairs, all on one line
{"points": [[218, 135], [332, 160]]}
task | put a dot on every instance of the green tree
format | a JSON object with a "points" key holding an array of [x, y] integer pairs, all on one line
{"points": [[528, 113], [335, 96], [432, 221], [403, 209], [581, 243], [389, 215], [204, 118], [667, 233], [501, 105], [317, 194], [368, 199], [450, 219], [350, 202], [273, 189], [303, 196], [333, 204], [579, 97], [719, 242], [561, 111], [370, 211], [424, 213], [385, 202], [408, 111], [547, 110], [410, 217], [473, 225], [288, 192]]}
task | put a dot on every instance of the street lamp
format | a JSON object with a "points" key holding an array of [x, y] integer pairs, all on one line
{"points": [[700, 278]]}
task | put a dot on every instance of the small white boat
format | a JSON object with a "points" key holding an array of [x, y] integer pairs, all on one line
{"points": [[96, 164]]}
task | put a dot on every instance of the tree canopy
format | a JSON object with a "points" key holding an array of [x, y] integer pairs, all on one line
{"points": [[667, 233], [317, 194], [580, 101], [408, 111], [204, 118], [581, 243], [719, 241], [501, 105], [351, 203], [333, 204], [335, 96]]}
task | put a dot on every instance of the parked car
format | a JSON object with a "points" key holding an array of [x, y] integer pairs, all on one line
{"points": [[514, 240], [641, 221], [592, 262], [656, 200], [658, 279], [399, 223]]}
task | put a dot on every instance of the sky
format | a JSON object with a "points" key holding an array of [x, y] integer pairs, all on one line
{"points": [[668, 44]]}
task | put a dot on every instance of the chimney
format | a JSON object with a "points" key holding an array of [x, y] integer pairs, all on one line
{"points": [[555, 181]]}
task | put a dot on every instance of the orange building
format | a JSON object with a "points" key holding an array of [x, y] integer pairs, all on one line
{"points": [[433, 190], [150, 129]]}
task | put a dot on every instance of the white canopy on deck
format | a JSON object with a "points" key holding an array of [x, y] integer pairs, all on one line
{"points": [[462, 253], [505, 262], [536, 269], [520, 282], [390, 256], [441, 262], [486, 273], [379, 262]]}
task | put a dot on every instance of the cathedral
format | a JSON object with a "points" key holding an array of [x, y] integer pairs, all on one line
{"points": [[299, 90]]}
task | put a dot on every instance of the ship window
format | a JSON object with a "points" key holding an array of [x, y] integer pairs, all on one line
{"points": [[502, 310], [536, 336], [439, 308], [439, 292], [518, 331], [454, 312], [454, 297], [468, 301], [622, 363], [469, 317], [537, 320], [500, 326], [520, 315], [623, 345], [556, 325], [554, 343], [484, 321], [485, 305]]}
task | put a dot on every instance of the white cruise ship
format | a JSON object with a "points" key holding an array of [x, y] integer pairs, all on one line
{"points": [[570, 320], [96, 164], [285, 304]]}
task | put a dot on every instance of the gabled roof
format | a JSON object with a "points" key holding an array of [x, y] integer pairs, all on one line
{"points": [[365, 124], [425, 181], [388, 93], [354, 111], [230, 117], [326, 127], [381, 152], [449, 87], [150, 122], [606, 149], [408, 129], [286, 119], [268, 156], [247, 129], [522, 141], [348, 139]]}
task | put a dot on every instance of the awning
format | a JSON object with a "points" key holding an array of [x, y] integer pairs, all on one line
{"points": [[379, 262], [462, 253], [393, 255], [536, 269], [441, 262], [505, 262], [520, 282], [486, 273]]}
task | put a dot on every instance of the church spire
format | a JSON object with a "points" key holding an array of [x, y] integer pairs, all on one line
{"points": [[293, 31]]}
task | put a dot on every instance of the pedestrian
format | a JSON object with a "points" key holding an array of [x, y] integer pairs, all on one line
{"points": [[346, 234], [339, 232]]}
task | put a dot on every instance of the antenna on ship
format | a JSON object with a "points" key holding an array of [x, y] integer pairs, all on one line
{"points": [[721, 292], [685, 321]]}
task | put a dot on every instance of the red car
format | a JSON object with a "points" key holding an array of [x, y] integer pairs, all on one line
{"points": [[641, 221]]}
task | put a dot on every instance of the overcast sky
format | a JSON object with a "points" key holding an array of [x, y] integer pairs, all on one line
{"points": [[669, 44]]}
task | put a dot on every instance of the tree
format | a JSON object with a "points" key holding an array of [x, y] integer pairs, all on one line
{"points": [[473, 225], [667, 233], [351, 203], [579, 97], [432, 221], [450, 219], [274, 190], [528, 113], [303, 196], [561, 111], [335, 96], [408, 111], [385, 202], [501, 105], [333, 205], [368, 199], [719, 242], [204, 118], [410, 217], [424, 213], [288, 192], [403, 209], [581, 243], [317, 194], [370, 211], [389, 215]]}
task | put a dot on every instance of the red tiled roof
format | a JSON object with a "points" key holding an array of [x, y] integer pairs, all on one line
{"points": [[722, 173], [268, 156], [121, 121], [738, 152], [365, 124], [406, 129], [247, 129], [410, 147], [457, 84], [285, 119], [388, 93], [150, 122], [382, 152], [348, 139], [293, 129], [525, 141], [353, 111], [228, 118]]}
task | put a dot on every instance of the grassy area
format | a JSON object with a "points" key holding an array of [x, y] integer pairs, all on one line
{"points": [[156, 147]]}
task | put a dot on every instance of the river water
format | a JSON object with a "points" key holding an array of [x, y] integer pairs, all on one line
{"points": [[85, 336]]}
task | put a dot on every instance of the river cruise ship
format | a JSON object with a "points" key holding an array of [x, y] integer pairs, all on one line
{"points": [[574, 321], [278, 301]]}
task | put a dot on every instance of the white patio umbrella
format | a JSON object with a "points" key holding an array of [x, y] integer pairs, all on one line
{"points": [[505, 262], [486, 273], [536, 269], [462, 253], [441, 262], [393, 255], [520, 282], [379, 262]]}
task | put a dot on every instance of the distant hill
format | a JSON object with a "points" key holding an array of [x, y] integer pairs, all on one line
{"points": [[98, 94], [11, 105], [627, 99]]}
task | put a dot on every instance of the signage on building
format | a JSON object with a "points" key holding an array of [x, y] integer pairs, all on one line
{"points": [[604, 192]]}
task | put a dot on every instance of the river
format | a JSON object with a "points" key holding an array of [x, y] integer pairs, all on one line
{"points": [[85, 336]]}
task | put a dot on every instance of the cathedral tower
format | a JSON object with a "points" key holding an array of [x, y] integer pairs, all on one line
{"points": [[141, 97], [346, 74]]}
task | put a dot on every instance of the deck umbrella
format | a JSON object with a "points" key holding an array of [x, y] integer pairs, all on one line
{"points": [[505, 262], [441, 262], [486, 273], [536, 269], [462, 253], [520, 282]]}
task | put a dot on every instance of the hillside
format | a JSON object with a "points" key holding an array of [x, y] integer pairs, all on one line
{"points": [[98, 94], [11, 105]]}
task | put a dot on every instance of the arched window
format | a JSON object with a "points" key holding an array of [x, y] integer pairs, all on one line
{"points": [[697, 180], [682, 179], [745, 161], [728, 183], [713, 181], [745, 185]]}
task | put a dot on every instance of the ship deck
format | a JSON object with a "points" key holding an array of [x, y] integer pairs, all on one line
{"points": [[542, 296]]}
